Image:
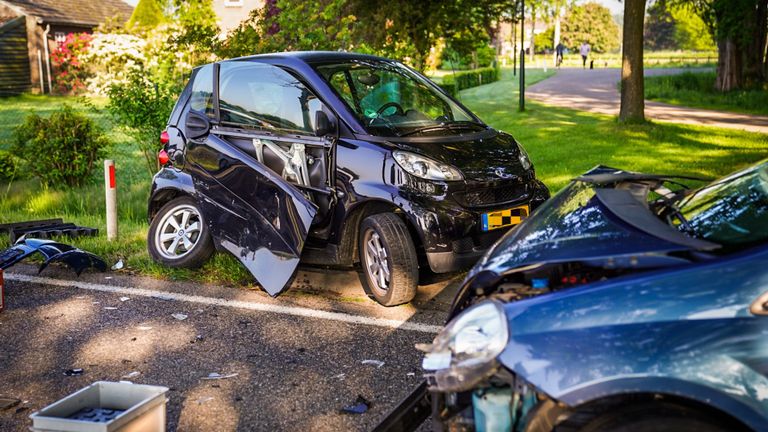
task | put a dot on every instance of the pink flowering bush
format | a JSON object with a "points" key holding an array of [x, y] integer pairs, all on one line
{"points": [[69, 72]]}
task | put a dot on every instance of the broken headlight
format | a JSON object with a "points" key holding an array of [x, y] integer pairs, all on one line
{"points": [[465, 352], [426, 168]]}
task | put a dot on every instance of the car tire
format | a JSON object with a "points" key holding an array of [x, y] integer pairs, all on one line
{"points": [[178, 236], [390, 265], [659, 417]]}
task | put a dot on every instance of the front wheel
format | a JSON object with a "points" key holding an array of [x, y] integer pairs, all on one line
{"points": [[390, 265], [660, 417], [178, 236]]}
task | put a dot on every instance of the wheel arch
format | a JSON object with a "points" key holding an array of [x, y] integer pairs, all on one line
{"points": [[354, 218]]}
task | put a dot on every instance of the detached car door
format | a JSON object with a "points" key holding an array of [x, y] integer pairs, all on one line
{"points": [[251, 211]]}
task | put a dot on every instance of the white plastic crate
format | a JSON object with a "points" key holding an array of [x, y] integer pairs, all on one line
{"points": [[106, 407]]}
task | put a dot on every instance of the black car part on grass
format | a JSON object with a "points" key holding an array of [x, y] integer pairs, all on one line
{"points": [[44, 229], [52, 251]]}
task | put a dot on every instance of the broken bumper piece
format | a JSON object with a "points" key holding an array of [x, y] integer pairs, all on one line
{"points": [[77, 259]]}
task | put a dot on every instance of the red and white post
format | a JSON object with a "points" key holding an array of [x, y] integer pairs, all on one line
{"points": [[110, 187]]}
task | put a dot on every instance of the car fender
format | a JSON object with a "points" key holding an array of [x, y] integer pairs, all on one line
{"points": [[168, 182]]}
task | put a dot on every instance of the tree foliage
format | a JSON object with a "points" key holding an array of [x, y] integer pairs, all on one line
{"points": [[676, 27], [592, 23], [147, 15]]}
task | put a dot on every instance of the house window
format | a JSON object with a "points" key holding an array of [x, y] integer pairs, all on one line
{"points": [[60, 37], [233, 3]]}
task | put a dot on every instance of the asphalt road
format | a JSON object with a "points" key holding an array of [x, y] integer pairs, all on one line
{"points": [[298, 358]]}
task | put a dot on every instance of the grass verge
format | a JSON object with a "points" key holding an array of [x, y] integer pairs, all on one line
{"points": [[698, 90]]}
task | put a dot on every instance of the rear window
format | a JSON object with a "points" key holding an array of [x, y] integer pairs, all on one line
{"points": [[202, 91]]}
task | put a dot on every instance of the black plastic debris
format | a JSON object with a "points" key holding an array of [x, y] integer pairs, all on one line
{"points": [[8, 402], [360, 406], [52, 251], [74, 372], [96, 415], [45, 229]]}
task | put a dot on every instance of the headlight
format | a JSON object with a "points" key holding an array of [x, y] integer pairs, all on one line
{"points": [[426, 168], [525, 161], [465, 352]]}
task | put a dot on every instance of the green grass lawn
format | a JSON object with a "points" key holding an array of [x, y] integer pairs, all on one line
{"points": [[562, 143], [697, 90]]}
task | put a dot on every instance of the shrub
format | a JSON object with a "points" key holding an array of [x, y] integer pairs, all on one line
{"points": [[60, 150], [459, 81], [8, 167]]}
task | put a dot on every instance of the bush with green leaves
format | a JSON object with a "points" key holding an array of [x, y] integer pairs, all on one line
{"points": [[61, 150], [458, 81], [9, 169]]}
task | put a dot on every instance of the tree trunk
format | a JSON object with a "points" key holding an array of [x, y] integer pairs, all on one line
{"points": [[556, 38], [632, 85], [754, 52], [729, 66]]}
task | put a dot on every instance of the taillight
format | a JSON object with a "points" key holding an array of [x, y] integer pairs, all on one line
{"points": [[163, 157], [164, 138]]}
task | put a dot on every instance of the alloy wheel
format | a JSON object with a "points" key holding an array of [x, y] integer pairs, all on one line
{"points": [[376, 262], [178, 232]]}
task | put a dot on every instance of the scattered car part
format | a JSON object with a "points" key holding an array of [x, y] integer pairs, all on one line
{"points": [[74, 372], [44, 229], [218, 376], [360, 406], [52, 251]]}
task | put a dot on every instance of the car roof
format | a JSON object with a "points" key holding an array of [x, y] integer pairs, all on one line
{"points": [[313, 56]]}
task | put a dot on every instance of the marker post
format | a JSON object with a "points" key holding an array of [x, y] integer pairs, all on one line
{"points": [[110, 188]]}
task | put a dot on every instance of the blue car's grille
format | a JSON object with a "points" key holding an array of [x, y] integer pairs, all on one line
{"points": [[492, 196]]}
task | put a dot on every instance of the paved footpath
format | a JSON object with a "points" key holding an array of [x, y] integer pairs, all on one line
{"points": [[597, 91]]}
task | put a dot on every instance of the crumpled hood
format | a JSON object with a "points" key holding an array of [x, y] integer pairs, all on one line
{"points": [[572, 226], [489, 155]]}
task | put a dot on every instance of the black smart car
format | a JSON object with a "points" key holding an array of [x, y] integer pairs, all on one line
{"points": [[333, 159]]}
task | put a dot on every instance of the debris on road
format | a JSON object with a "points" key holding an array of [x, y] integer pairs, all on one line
{"points": [[218, 376], [144, 328], [360, 406], [75, 258], [180, 316], [203, 400], [377, 363], [110, 308], [133, 374], [339, 376], [74, 372], [124, 299], [8, 402], [118, 265], [46, 228]]}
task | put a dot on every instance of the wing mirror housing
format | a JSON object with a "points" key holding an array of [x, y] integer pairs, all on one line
{"points": [[324, 124], [197, 125]]}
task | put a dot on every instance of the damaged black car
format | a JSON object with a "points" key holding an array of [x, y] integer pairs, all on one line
{"points": [[333, 159]]}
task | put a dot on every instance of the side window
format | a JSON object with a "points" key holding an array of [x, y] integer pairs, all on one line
{"points": [[202, 91], [258, 95]]}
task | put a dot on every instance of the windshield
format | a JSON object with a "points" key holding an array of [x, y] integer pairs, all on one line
{"points": [[391, 100], [732, 211]]}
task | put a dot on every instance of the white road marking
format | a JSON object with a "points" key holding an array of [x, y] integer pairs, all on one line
{"points": [[238, 304]]}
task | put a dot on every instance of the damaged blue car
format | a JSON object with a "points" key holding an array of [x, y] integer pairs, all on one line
{"points": [[626, 302]]}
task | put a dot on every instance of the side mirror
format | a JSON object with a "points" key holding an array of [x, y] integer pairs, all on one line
{"points": [[197, 125], [323, 124]]}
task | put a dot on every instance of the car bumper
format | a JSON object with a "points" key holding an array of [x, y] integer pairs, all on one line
{"points": [[452, 234]]}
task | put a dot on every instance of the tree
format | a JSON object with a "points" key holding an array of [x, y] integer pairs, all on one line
{"points": [[660, 28], [739, 29], [147, 15], [591, 23], [632, 85]]}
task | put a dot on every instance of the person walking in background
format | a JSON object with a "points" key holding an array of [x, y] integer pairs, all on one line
{"points": [[584, 50], [559, 49]]}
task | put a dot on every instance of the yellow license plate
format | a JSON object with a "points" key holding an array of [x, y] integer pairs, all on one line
{"points": [[504, 218]]}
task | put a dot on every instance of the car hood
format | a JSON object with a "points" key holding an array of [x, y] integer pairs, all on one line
{"points": [[484, 156], [590, 221]]}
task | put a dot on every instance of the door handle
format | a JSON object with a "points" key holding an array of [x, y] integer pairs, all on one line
{"points": [[760, 305]]}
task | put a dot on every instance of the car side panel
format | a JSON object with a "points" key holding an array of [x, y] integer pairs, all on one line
{"points": [[691, 325]]}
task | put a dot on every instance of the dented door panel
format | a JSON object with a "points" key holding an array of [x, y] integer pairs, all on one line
{"points": [[251, 211]]}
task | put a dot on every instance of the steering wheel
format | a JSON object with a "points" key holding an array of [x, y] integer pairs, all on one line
{"points": [[386, 106]]}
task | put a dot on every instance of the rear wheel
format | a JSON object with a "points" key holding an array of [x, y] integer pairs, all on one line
{"points": [[390, 265], [178, 236]]}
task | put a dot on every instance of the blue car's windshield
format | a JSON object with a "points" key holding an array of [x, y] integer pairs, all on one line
{"points": [[391, 100], [732, 211]]}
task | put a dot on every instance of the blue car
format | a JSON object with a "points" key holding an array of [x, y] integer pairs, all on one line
{"points": [[625, 302]]}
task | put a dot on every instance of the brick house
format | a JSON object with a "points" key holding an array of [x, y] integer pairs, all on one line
{"points": [[27, 26]]}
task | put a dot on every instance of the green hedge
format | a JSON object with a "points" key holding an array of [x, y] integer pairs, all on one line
{"points": [[454, 83]]}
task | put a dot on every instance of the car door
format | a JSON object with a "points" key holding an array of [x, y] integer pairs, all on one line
{"points": [[252, 211]]}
